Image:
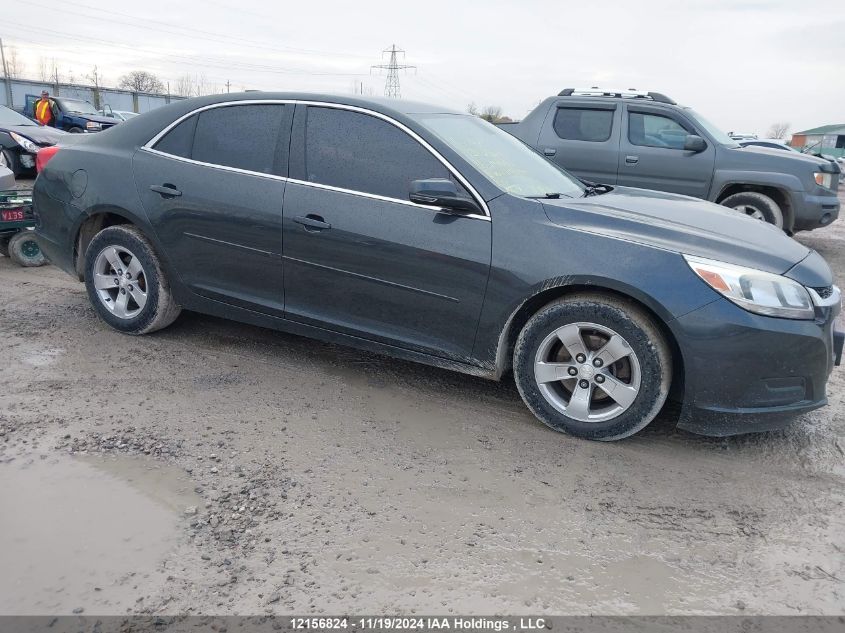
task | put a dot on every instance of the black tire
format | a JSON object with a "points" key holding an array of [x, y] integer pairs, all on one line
{"points": [[761, 205], [4, 244], [621, 316], [76, 130], [160, 309], [11, 161], [25, 251]]}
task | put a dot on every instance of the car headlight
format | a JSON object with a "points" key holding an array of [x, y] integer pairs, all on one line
{"points": [[24, 142], [93, 125], [755, 290], [824, 179]]}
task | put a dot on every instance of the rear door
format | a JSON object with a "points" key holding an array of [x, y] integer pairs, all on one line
{"points": [[653, 155], [213, 189], [360, 258], [583, 138]]}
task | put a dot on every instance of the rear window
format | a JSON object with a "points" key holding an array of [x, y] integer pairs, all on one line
{"points": [[180, 139], [583, 124], [250, 137]]}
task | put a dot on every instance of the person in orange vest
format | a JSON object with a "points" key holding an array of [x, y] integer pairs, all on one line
{"points": [[46, 110]]}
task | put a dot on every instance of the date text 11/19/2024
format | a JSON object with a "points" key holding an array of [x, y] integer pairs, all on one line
{"points": [[418, 623]]}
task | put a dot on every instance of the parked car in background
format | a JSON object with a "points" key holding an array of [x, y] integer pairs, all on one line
{"points": [[646, 140], [434, 236], [75, 115], [766, 142], [20, 140], [120, 115]]}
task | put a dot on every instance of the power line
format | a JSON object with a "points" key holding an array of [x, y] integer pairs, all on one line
{"points": [[196, 60], [183, 31], [391, 86]]}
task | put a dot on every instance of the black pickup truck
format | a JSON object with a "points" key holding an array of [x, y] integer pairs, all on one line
{"points": [[646, 140]]}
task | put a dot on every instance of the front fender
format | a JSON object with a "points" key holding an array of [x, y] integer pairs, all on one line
{"points": [[724, 178]]}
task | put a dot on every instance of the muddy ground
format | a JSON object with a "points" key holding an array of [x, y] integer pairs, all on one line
{"points": [[220, 468]]}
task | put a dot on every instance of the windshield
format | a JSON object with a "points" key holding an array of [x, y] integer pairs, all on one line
{"points": [[503, 159], [717, 134], [75, 105], [10, 117]]}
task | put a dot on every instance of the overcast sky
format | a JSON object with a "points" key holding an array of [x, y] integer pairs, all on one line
{"points": [[744, 64]]}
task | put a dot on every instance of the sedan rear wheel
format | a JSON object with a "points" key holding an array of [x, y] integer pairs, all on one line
{"points": [[595, 366], [126, 283]]}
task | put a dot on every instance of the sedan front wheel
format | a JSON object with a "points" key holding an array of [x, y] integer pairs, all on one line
{"points": [[595, 366]]}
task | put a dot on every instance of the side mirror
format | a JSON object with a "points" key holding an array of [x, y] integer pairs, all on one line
{"points": [[693, 143], [441, 192]]}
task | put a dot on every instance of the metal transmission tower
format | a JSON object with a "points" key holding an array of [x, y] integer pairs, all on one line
{"points": [[391, 86]]}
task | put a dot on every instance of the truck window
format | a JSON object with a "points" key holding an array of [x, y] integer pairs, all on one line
{"points": [[583, 124], [655, 130]]}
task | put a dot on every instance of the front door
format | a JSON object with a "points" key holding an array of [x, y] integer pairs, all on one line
{"points": [[359, 257], [652, 154], [213, 189]]}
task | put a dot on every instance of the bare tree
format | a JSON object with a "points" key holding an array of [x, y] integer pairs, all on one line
{"points": [[184, 86], [43, 70], [96, 80], [14, 64], [203, 86], [491, 113], [473, 109], [778, 130], [141, 81]]}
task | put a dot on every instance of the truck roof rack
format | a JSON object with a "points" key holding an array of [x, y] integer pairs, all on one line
{"points": [[630, 93]]}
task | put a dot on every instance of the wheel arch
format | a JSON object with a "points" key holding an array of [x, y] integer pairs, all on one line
{"points": [[94, 221], [778, 194], [554, 290]]}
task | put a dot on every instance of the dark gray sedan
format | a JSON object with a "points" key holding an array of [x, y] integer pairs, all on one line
{"points": [[434, 236]]}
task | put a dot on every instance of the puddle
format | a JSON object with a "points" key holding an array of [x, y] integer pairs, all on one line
{"points": [[41, 357], [85, 532]]}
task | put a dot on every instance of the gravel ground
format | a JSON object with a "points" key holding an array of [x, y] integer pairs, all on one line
{"points": [[219, 468]]}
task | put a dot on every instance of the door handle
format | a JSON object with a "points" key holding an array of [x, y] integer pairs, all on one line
{"points": [[312, 222], [166, 190], [632, 160], [549, 151]]}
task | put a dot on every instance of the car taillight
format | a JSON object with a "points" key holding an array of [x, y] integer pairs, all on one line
{"points": [[43, 156]]}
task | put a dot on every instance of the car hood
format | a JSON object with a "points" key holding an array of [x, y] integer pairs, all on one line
{"points": [[681, 224], [42, 135], [780, 159]]}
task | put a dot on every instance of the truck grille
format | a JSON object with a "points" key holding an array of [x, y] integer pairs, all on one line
{"points": [[823, 291]]}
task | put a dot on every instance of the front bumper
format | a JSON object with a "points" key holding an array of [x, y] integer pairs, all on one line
{"points": [[745, 373], [814, 211]]}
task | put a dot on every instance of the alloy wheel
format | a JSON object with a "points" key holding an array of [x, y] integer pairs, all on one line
{"points": [[588, 372], [120, 281], [751, 212]]}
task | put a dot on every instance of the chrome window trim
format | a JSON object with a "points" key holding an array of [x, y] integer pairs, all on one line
{"points": [[149, 147]]}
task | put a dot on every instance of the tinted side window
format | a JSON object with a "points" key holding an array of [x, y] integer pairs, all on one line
{"points": [[244, 136], [654, 130], [180, 139], [583, 124], [359, 152]]}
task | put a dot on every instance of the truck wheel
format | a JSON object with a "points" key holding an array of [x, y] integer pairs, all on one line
{"points": [[756, 205], [593, 365], [76, 130], [24, 250], [126, 283]]}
